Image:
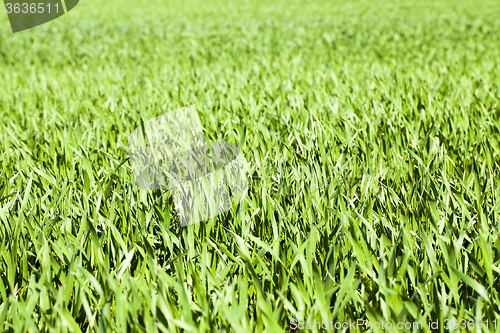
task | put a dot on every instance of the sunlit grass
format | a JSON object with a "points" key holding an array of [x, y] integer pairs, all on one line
{"points": [[373, 134]]}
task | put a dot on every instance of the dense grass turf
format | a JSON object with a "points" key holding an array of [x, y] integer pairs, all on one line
{"points": [[373, 132]]}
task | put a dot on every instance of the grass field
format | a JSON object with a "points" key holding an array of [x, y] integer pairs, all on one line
{"points": [[372, 129]]}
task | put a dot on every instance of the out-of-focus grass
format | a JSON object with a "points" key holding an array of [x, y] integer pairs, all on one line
{"points": [[373, 133]]}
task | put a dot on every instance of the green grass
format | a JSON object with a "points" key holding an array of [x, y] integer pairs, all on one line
{"points": [[372, 129]]}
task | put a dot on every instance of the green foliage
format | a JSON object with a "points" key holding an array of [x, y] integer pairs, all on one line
{"points": [[373, 131]]}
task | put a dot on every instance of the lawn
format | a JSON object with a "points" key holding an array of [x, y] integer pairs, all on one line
{"points": [[372, 129]]}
